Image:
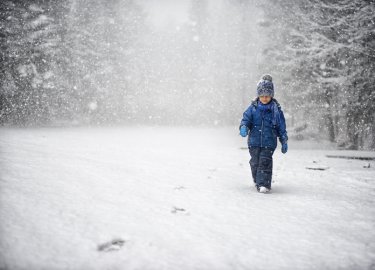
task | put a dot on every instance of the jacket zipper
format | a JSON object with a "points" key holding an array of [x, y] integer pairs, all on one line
{"points": [[261, 135], [261, 132]]}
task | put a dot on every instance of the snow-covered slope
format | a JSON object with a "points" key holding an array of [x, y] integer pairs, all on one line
{"points": [[177, 198]]}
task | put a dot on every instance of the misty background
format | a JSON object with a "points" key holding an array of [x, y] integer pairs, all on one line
{"points": [[91, 62]]}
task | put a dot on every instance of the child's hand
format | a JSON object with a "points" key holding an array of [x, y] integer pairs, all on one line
{"points": [[284, 148], [243, 131]]}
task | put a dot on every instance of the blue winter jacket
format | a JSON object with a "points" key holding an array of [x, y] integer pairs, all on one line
{"points": [[266, 123]]}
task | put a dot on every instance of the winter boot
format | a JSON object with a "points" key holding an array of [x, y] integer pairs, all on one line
{"points": [[263, 190]]}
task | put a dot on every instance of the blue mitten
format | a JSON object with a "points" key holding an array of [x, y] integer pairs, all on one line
{"points": [[243, 131], [284, 148]]}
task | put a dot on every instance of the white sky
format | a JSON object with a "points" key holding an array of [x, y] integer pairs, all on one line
{"points": [[164, 13]]}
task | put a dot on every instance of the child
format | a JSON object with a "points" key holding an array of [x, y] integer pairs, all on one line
{"points": [[265, 121]]}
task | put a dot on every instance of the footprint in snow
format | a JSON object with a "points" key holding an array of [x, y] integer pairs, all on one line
{"points": [[114, 245], [176, 210]]}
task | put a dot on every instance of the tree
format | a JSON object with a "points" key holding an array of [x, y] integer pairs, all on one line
{"points": [[28, 42], [326, 46]]}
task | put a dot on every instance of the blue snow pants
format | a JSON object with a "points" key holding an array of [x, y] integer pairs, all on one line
{"points": [[261, 165]]}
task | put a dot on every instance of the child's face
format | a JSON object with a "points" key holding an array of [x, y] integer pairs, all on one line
{"points": [[265, 99]]}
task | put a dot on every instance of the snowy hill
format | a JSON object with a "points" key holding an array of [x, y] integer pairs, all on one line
{"points": [[177, 198]]}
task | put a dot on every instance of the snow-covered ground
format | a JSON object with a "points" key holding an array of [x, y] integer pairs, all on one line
{"points": [[177, 198]]}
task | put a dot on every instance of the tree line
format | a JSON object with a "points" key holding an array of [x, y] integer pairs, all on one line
{"points": [[99, 62], [103, 62], [324, 51]]}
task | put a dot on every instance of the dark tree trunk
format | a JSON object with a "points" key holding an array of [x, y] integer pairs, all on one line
{"points": [[331, 128]]}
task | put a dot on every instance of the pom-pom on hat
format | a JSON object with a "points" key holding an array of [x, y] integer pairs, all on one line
{"points": [[265, 86]]}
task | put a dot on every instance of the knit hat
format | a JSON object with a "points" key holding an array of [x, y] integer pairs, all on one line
{"points": [[265, 86]]}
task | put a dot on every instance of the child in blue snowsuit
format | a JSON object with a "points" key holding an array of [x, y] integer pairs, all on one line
{"points": [[263, 122]]}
